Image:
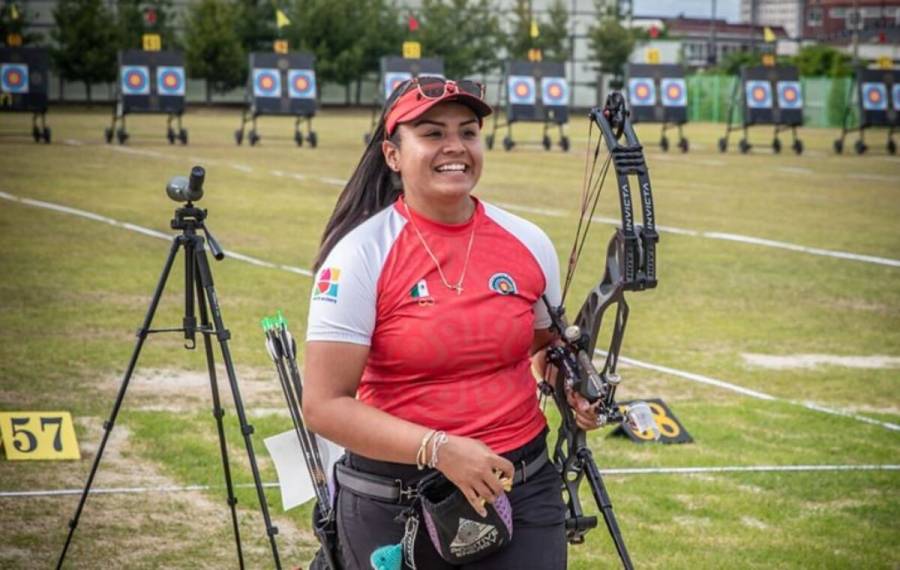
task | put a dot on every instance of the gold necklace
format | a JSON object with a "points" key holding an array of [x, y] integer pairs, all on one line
{"points": [[458, 287]]}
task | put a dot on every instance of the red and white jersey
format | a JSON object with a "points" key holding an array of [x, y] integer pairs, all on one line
{"points": [[458, 363]]}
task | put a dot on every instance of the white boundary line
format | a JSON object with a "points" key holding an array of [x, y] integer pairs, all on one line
{"points": [[340, 183], [746, 469], [123, 490], [664, 369], [142, 230], [751, 393], [803, 249], [610, 471], [721, 236]]}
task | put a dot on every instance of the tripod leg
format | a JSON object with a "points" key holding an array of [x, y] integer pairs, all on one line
{"points": [[218, 413], [605, 505], [108, 424], [205, 276]]}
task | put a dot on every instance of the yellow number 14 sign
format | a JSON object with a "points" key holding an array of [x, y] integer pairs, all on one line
{"points": [[38, 435]]}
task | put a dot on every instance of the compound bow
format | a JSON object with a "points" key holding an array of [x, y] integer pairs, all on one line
{"points": [[630, 266]]}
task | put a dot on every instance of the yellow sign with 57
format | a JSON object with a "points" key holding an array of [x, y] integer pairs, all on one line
{"points": [[38, 435]]}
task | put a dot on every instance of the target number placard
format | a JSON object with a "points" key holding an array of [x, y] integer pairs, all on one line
{"points": [[673, 92], [302, 84], [670, 429], [521, 89], [135, 80], [38, 435], [641, 92], [789, 95], [393, 79], [170, 81], [14, 78], [874, 96], [151, 42], [266, 82], [555, 91], [759, 94], [412, 50]]}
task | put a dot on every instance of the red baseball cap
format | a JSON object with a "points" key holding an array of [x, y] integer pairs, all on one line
{"points": [[413, 104]]}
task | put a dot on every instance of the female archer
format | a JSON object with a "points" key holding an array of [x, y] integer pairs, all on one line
{"points": [[426, 312]]}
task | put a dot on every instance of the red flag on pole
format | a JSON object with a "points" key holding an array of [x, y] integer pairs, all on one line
{"points": [[413, 23]]}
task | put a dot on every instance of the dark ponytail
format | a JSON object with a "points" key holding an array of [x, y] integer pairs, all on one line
{"points": [[372, 187]]}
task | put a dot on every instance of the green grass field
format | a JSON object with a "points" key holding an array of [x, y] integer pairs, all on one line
{"points": [[75, 289]]}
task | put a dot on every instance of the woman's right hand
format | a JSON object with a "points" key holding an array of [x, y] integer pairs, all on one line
{"points": [[473, 468]]}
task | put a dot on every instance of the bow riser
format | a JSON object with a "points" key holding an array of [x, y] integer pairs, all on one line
{"points": [[630, 266]]}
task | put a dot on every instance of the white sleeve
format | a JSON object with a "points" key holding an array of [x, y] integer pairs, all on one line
{"points": [[546, 256], [343, 300]]}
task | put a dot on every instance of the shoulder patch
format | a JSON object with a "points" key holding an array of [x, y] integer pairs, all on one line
{"points": [[327, 285]]}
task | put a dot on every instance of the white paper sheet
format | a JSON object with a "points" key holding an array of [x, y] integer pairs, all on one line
{"points": [[293, 476]]}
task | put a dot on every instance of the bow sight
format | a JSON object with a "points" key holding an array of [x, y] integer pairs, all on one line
{"points": [[630, 266]]}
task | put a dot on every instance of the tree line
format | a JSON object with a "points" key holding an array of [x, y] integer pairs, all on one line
{"points": [[347, 37]]}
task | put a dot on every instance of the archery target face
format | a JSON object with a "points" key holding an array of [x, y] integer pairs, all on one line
{"points": [[896, 96], [135, 80], [521, 90], [392, 80], [14, 78], [674, 92], [874, 97], [302, 84], [641, 92], [555, 91], [170, 81], [266, 82], [789, 95], [759, 94]]}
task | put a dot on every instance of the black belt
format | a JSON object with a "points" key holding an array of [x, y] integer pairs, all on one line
{"points": [[393, 490]]}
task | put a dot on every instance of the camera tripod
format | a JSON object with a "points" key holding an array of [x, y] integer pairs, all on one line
{"points": [[198, 281]]}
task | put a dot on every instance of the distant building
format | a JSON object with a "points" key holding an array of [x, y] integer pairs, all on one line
{"points": [[705, 41], [836, 20], [787, 14]]}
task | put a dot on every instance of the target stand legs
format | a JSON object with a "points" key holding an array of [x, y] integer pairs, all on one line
{"points": [[172, 135], [41, 133]]}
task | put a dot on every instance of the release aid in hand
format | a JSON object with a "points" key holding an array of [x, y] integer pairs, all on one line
{"points": [[640, 418]]}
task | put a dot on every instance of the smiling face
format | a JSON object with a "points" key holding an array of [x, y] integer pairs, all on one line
{"points": [[439, 158]]}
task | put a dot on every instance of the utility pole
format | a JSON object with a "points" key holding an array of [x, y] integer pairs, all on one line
{"points": [[754, 18], [713, 56], [856, 20], [572, 21]]}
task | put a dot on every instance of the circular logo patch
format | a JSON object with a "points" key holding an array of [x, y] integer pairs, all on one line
{"points": [[502, 283]]}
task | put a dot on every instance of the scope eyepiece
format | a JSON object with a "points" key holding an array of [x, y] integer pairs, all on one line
{"points": [[183, 189]]}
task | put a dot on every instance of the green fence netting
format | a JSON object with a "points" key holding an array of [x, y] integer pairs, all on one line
{"points": [[824, 99]]}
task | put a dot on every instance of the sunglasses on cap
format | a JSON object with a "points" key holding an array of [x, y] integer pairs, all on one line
{"points": [[415, 96], [433, 87]]}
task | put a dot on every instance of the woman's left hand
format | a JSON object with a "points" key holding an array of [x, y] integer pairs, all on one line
{"points": [[585, 412]]}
